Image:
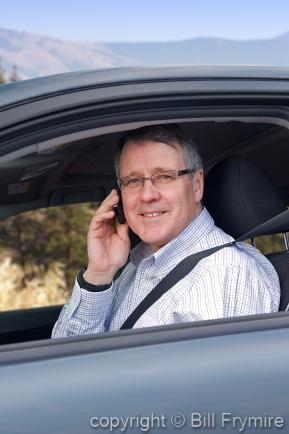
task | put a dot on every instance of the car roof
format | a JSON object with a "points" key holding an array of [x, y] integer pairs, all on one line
{"points": [[27, 89]]}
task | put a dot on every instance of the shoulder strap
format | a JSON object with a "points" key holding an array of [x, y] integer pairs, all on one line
{"points": [[176, 274]]}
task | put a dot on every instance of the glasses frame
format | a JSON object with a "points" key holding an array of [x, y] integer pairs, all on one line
{"points": [[179, 173]]}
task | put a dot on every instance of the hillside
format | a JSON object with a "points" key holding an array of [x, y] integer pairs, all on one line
{"points": [[38, 55]]}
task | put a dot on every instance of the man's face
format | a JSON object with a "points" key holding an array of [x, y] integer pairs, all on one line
{"points": [[175, 206]]}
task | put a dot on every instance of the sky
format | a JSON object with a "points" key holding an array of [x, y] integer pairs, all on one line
{"points": [[147, 20]]}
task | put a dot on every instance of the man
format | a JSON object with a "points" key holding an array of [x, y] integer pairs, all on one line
{"points": [[161, 179]]}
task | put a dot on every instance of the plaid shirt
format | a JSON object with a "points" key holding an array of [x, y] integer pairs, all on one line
{"points": [[234, 281]]}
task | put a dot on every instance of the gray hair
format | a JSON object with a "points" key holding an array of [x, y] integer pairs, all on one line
{"points": [[171, 135]]}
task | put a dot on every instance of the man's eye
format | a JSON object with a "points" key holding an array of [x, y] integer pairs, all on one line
{"points": [[164, 177], [133, 182]]}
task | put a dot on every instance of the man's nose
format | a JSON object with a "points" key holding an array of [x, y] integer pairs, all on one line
{"points": [[148, 191]]}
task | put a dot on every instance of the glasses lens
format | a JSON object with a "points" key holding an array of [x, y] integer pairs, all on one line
{"points": [[165, 178], [130, 183]]}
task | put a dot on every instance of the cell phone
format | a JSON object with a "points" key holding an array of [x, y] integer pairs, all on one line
{"points": [[118, 209]]}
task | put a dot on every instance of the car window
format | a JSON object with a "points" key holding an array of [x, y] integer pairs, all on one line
{"points": [[40, 254], [42, 251], [270, 243]]}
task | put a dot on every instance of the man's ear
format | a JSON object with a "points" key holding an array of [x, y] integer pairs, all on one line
{"points": [[198, 184]]}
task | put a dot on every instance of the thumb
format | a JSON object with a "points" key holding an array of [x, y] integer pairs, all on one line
{"points": [[122, 231]]}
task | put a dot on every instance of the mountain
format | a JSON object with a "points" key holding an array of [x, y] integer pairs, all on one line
{"points": [[206, 51], [37, 55]]}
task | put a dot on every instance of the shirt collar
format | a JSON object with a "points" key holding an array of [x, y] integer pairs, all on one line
{"points": [[174, 251]]}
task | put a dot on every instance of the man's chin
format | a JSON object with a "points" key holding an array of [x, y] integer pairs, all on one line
{"points": [[156, 241]]}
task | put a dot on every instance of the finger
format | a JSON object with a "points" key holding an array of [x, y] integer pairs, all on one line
{"points": [[122, 231], [98, 220], [108, 203]]}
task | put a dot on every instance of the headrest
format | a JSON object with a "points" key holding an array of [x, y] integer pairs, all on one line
{"points": [[240, 196]]}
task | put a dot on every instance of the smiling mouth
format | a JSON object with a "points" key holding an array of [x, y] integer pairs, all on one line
{"points": [[153, 214]]}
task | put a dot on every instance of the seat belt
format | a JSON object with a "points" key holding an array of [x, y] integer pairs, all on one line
{"points": [[176, 274], [184, 267]]}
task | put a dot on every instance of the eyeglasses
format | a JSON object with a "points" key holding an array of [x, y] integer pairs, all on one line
{"points": [[160, 180]]}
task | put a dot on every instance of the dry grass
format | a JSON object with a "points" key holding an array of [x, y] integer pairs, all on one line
{"points": [[33, 288]]}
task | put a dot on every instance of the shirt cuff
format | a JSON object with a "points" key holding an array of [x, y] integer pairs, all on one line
{"points": [[89, 286]]}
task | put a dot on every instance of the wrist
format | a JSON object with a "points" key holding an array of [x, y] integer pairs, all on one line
{"points": [[96, 278], [83, 283]]}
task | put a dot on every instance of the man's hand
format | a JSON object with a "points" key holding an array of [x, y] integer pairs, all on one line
{"points": [[108, 243]]}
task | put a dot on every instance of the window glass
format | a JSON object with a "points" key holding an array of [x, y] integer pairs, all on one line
{"points": [[40, 254], [270, 243]]}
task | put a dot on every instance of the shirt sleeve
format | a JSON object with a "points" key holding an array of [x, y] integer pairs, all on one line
{"points": [[85, 313], [227, 291]]}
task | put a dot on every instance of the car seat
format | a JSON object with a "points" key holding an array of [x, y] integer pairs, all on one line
{"points": [[242, 199]]}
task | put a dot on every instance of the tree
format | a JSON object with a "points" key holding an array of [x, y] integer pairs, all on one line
{"points": [[42, 237], [14, 75], [2, 73]]}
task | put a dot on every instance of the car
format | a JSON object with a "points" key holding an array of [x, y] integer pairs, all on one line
{"points": [[58, 137]]}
